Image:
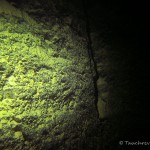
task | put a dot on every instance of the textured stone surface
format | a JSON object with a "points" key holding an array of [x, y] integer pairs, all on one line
{"points": [[117, 31], [46, 85]]}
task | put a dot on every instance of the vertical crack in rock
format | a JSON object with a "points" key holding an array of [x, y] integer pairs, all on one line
{"points": [[90, 49], [47, 93]]}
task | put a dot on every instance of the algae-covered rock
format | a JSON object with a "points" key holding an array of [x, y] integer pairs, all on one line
{"points": [[46, 86]]}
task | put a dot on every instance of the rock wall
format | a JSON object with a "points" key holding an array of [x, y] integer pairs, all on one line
{"points": [[47, 95], [117, 30]]}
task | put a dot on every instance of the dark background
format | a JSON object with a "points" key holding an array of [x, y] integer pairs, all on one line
{"points": [[127, 26]]}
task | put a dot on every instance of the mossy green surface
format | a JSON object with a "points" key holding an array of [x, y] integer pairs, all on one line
{"points": [[9, 9], [46, 86]]}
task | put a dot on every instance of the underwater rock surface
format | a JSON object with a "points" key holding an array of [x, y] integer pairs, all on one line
{"points": [[46, 85]]}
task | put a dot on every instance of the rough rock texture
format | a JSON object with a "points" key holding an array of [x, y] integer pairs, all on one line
{"points": [[46, 84], [117, 31]]}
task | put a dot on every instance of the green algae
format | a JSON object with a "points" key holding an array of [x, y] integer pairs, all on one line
{"points": [[42, 81]]}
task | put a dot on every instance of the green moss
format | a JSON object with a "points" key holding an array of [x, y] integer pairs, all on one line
{"points": [[42, 80], [18, 135], [7, 8], [1, 126]]}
